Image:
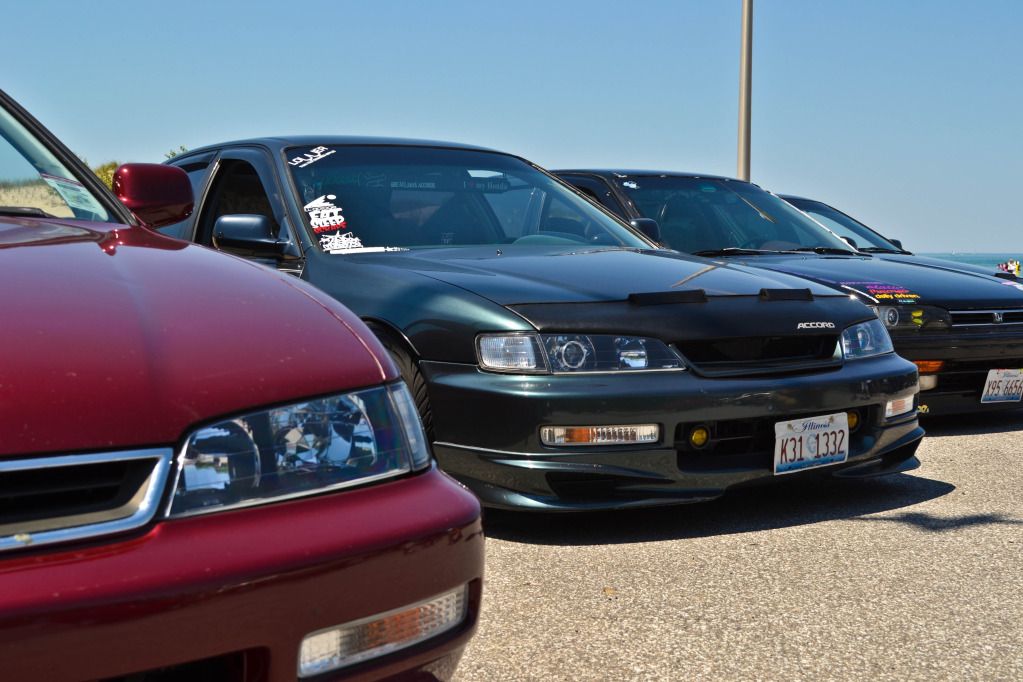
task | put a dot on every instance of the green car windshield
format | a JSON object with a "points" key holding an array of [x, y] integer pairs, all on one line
{"points": [[34, 183], [359, 198], [707, 216]]}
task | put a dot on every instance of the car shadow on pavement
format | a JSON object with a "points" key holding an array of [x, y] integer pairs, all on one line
{"points": [[944, 523], [740, 511], [974, 424]]}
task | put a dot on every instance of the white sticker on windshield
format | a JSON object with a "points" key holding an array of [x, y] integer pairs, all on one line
{"points": [[73, 193], [340, 242], [347, 242], [311, 157], [630, 184], [325, 215]]}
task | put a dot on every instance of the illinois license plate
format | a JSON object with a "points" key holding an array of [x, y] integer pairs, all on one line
{"points": [[811, 442], [1003, 386]]}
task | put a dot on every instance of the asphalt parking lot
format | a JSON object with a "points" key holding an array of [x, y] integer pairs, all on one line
{"points": [[916, 576]]}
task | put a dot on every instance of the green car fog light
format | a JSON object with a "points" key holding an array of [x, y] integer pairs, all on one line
{"points": [[699, 436]]}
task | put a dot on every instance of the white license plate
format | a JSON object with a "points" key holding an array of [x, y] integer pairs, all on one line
{"points": [[811, 442], [1003, 386]]}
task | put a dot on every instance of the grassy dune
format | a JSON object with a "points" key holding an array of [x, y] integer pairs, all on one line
{"points": [[35, 194]]}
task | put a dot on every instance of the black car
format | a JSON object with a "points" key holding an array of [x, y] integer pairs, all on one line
{"points": [[558, 359], [868, 240], [963, 330]]}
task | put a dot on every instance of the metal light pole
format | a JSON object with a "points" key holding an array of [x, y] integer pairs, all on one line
{"points": [[745, 79]]}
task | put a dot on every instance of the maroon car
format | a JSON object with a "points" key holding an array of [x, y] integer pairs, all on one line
{"points": [[188, 491]]}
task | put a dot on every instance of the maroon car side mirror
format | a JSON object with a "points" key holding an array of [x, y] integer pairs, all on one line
{"points": [[158, 195]]}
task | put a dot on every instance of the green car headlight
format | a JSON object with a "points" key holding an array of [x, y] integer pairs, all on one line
{"points": [[910, 318], [866, 340], [300, 449], [569, 353]]}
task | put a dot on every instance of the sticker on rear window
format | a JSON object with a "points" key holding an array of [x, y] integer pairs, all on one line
{"points": [[311, 157], [324, 214]]}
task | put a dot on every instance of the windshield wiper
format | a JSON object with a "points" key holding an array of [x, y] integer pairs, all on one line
{"points": [[878, 249], [733, 251], [826, 250], [31, 211]]}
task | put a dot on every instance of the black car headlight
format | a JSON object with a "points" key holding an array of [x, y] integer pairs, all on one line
{"points": [[570, 353], [300, 449], [911, 318], [866, 340]]}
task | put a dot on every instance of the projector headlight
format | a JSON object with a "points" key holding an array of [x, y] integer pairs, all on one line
{"points": [[865, 340], [571, 353], [300, 449], [910, 318]]}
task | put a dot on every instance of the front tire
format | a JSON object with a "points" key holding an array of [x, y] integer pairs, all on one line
{"points": [[408, 365]]}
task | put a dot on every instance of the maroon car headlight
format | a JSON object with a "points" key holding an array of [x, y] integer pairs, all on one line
{"points": [[304, 448]]}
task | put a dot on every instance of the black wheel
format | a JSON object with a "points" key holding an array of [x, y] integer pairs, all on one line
{"points": [[413, 376]]}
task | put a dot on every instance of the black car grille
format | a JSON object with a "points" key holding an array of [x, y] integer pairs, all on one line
{"points": [[986, 318], [57, 498], [749, 443], [761, 354]]}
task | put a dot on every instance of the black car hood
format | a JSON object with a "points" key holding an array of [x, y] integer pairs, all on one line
{"points": [[894, 282], [943, 264], [517, 275]]}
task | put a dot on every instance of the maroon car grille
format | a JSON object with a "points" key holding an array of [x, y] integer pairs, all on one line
{"points": [[60, 498]]}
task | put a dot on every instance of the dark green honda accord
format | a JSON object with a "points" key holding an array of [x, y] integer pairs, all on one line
{"points": [[560, 361]]}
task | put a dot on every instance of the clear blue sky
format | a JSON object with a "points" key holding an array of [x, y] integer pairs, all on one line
{"points": [[905, 114]]}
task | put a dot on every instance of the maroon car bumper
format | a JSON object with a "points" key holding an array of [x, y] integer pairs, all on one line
{"points": [[231, 595]]}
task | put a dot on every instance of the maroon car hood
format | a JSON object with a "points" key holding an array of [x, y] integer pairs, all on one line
{"points": [[116, 337]]}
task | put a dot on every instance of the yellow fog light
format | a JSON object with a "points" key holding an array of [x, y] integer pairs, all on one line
{"points": [[853, 419], [699, 436], [621, 434], [360, 640]]}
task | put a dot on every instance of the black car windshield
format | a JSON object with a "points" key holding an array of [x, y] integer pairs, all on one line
{"points": [[844, 226], [34, 183], [359, 198], [712, 216]]}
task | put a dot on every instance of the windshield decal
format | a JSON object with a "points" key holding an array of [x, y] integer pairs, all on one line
{"points": [[73, 193], [883, 292], [339, 244], [630, 184], [325, 215], [311, 157]]}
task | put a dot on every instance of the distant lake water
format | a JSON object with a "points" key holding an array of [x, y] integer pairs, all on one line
{"points": [[985, 259]]}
